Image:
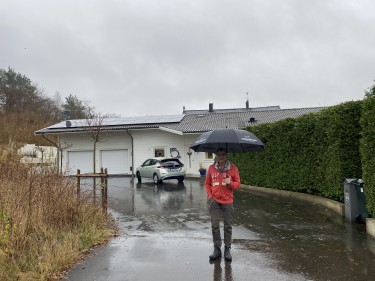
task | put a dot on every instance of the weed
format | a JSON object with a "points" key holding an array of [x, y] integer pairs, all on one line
{"points": [[44, 226]]}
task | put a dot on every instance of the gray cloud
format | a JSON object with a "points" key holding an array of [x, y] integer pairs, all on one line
{"points": [[153, 57]]}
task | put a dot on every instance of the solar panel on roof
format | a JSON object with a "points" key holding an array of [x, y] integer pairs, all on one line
{"points": [[125, 121], [74, 123]]}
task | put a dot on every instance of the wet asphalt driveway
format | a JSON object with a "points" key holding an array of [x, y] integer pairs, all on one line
{"points": [[166, 235]]}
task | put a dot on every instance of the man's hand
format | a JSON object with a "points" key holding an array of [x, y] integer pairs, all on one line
{"points": [[209, 201], [227, 180]]}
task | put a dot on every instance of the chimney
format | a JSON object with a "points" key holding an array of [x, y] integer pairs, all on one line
{"points": [[210, 107], [247, 105]]}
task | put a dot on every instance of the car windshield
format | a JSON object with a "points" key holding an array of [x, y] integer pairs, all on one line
{"points": [[171, 163]]}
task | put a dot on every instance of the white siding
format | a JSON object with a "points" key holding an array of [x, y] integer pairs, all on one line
{"points": [[81, 160], [145, 141], [116, 161], [196, 158], [82, 142]]}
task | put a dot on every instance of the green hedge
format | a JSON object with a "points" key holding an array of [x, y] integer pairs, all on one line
{"points": [[368, 148], [312, 154]]}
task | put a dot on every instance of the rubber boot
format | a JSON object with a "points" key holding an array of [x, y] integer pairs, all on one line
{"points": [[216, 254], [227, 254]]}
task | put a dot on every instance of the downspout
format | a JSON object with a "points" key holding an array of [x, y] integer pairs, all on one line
{"points": [[132, 154]]}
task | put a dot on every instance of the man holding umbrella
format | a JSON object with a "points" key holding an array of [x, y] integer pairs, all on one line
{"points": [[221, 179]]}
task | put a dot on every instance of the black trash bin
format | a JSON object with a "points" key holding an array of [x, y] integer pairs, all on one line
{"points": [[355, 201]]}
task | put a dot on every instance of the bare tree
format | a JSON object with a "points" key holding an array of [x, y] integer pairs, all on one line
{"points": [[95, 128], [61, 149], [42, 150], [24, 108]]}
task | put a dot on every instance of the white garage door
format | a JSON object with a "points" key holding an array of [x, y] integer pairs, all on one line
{"points": [[116, 161], [82, 160]]}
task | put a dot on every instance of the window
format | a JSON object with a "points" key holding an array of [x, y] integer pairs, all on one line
{"points": [[147, 162], [209, 155], [154, 161], [171, 163], [159, 152]]}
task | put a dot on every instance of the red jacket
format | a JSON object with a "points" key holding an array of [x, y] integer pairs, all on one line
{"points": [[215, 183]]}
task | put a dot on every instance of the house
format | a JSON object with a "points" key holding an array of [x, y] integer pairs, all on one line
{"points": [[31, 153], [127, 142]]}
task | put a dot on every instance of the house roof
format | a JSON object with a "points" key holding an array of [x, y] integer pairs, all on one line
{"points": [[228, 110], [193, 121], [112, 124]]}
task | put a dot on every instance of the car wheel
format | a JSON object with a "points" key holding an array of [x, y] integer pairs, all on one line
{"points": [[139, 177], [181, 179], [156, 178]]}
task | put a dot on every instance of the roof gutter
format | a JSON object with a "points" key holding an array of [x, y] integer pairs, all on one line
{"points": [[54, 144], [171, 131], [80, 130]]}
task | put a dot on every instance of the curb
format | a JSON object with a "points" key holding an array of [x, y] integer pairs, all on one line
{"points": [[335, 206], [370, 226]]}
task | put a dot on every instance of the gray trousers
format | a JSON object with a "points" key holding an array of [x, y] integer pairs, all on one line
{"points": [[216, 210]]}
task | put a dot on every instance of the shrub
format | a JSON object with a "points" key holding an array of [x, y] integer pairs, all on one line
{"points": [[368, 148], [312, 154], [44, 227]]}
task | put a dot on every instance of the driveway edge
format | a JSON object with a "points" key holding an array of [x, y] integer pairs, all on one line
{"points": [[370, 226], [335, 206]]}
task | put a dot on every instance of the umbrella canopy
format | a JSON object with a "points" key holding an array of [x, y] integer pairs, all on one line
{"points": [[232, 140]]}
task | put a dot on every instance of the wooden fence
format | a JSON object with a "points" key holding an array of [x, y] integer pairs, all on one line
{"points": [[103, 175]]}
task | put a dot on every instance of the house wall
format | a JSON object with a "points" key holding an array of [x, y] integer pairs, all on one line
{"points": [[196, 159], [145, 143], [82, 142], [30, 153]]}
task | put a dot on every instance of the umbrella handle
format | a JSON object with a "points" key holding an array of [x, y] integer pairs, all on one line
{"points": [[227, 177]]}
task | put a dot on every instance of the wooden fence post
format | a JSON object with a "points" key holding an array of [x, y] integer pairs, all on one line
{"points": [[94, 189], [104, 184], [78, 183]]}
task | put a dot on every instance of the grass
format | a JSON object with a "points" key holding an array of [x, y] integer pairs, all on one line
{"points": [[44, 227]]}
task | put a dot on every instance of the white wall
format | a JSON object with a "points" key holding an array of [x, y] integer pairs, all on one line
{"points": [[30, 153], [145, 141], [82, 142], [196, 158]]}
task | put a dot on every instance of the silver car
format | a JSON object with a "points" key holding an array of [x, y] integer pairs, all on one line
{"points": [[161, 168]]}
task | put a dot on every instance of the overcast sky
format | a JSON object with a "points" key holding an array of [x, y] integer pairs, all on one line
{"points": [[153, 57]]}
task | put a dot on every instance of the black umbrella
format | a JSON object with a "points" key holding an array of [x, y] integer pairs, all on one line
{"points": [[232, 140]]}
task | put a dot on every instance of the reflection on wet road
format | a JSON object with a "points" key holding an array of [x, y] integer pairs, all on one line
{"points": [[167, 236]]}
